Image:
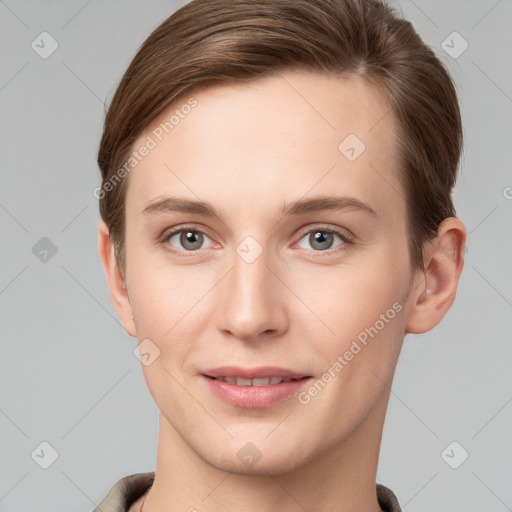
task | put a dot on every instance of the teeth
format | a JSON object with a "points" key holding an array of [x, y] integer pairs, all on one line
{"points": [[262, 381]]}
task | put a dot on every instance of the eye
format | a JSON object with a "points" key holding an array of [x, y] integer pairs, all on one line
{"points": [[323, 239], [187, 240]]}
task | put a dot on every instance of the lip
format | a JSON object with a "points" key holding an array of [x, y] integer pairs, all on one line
{"points": [[253, 373], [253, 397]]}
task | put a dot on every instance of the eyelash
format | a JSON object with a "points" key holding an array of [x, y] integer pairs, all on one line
{"points": [[345, 237]]}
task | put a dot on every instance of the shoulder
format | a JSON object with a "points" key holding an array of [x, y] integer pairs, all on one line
{"points": [[387, 499], [127, 490]]}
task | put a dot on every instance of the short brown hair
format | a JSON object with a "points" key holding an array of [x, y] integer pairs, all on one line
{"points": [[214, 41]]}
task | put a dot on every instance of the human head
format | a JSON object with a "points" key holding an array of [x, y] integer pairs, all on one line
{"points": [[235, 41], [249, 150], [249, 147]]}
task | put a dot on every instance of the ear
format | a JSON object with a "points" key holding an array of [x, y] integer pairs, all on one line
{"points": [[434, 288], [116, 284]]}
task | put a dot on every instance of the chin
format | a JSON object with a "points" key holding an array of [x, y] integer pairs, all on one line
{"points": [[273, 466], [260, 457]]}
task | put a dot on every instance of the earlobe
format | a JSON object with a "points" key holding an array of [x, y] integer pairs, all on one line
{"points": [[433, 293], [116, 283]]}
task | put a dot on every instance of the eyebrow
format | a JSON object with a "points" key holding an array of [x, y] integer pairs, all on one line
{"points": [[299, 207]]}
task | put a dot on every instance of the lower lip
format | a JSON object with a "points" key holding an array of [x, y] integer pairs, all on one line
{"points": [[254, 397]]}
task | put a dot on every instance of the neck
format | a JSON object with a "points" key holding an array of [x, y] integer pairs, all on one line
{"points": [[342, 478]]}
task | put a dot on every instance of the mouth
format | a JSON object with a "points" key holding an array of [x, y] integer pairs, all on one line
{"points": [[254, 388], [261, 381]]}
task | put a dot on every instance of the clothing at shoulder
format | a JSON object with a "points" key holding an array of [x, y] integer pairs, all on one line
{"points": [[132, 487], [125, 492], [387, 500]]}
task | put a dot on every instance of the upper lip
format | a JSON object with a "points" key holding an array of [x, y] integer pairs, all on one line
{"points": [[253, 373]]}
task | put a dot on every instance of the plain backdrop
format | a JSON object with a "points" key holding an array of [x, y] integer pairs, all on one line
{"points": [[69, 378]]}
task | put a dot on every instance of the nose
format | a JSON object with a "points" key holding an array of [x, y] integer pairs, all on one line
{"points": [[251, 305]]}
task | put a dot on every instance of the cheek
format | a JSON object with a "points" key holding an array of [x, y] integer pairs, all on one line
{"points": [[165, 305], [346, 300], [160, 294], [367, 317], [168, 304]]}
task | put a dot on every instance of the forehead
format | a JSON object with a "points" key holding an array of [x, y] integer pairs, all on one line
{"points": [[273, 140]]}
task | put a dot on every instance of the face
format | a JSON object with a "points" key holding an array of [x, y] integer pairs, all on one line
{"points": [[266, 237]]}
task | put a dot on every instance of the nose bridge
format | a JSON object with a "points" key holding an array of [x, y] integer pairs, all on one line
{"points": [[250, 277], [251, 301]]}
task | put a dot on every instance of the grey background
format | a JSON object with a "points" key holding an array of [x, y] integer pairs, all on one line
{"points": [[68, 373]]}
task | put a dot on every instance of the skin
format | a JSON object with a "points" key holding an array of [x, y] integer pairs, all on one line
{"points": [[249, 150]]}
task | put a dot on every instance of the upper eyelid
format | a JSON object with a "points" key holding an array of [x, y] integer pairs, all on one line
{"points": [[302, 231], [172, 232], [325, 227]]}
